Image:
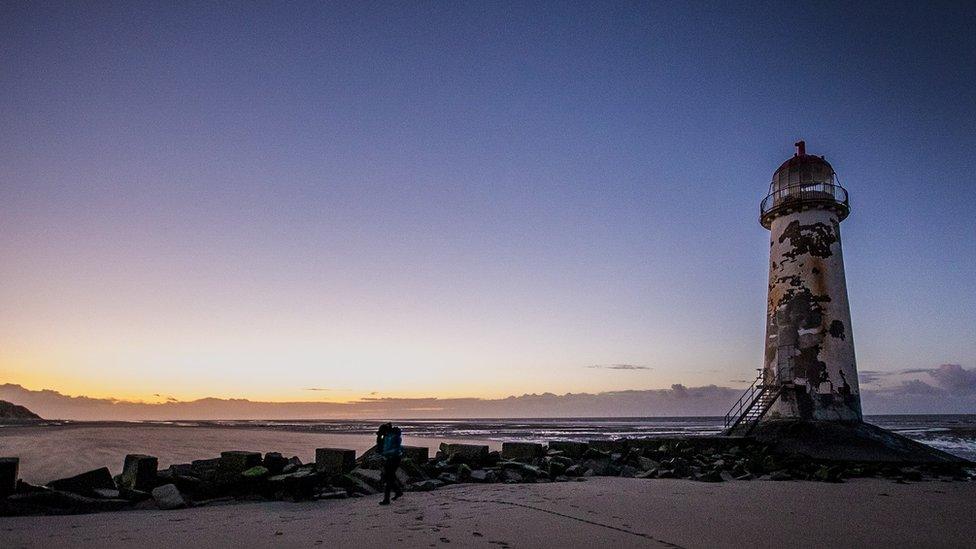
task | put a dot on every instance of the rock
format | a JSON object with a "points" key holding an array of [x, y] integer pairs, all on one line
{"points": [[652, 473], [416, 454], [472, 454], [482, 475], [575, 471], [237, 461], [256, 472], [646, 464], [512, 476], [447, 478], [710, 476], [628, 471], [332, 494], [335, 461], [108, 494], [168, 497], [274, 462], [48, 502], [424, 485], [139, 472], [370, 476], [522, 450], [747, 476], [782, 474], [910, 473], [8, 475], [599, 467], [569, 448], [204, 469], [358, 486], [86, 483], [727, 476]]}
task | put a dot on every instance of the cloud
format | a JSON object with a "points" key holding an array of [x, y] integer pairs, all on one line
{"points": [[317, 389], [619, 367], [951, 390], [955, 379]]}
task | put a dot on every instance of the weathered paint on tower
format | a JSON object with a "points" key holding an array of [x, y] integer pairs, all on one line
{"points": [[809, 342]]}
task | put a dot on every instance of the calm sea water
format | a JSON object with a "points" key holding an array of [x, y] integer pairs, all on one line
{"points": [[955, 434]]}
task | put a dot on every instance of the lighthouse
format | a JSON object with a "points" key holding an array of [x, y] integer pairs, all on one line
{"points": [[809, 369]]}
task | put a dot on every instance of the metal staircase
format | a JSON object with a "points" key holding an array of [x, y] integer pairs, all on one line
{"points": [[751, 407]]}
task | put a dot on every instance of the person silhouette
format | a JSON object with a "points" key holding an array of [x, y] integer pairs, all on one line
{"points": [[389, 444]]}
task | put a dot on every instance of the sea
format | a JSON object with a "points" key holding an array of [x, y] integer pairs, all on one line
{"points": [[955, 434]]}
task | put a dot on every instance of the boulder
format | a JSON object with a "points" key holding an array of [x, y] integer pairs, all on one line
{"points": [[139, 472], [297, 485], [628, 471], [335, 461], [416, 454], [205, 469], [331, 493], [57, 502], [448, 478], [568, 448], [482, 475], [85, 483], [465, 453], [425, 485], [108, 494], [575, 471], [370, 476], [8, 475], [357, 485], [274, 462], [522, 450], [168, 497], [256, 472], [238, 461]]}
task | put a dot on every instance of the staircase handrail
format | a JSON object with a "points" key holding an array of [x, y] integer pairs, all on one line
{"points": [[741, 405]]}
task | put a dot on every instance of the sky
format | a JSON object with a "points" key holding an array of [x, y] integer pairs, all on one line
{"points": [[339, 202]]}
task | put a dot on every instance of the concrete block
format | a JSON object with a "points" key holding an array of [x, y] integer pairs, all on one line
{"points": [[8, 475], [571, 449], [139, 472], [86, 483], [238, 461], [522, 450], [416, 454], [470, 453], [335, 461]]}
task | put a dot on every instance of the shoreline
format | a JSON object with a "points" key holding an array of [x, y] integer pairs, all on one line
{"points": [[59, 451], [599, 512]]}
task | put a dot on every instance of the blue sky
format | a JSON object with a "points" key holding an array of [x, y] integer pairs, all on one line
{"points": [[464, 199]]}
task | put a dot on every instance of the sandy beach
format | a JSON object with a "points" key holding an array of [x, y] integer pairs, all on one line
{"points": [[48, 453], [599, 512]]}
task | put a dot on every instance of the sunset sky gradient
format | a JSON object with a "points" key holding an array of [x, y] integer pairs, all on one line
{"points": [[333, 201]]}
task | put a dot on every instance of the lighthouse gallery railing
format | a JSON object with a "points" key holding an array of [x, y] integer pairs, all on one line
{"points": [[802, 192]]}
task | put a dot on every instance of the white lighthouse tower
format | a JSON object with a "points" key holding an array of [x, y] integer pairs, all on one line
{"points": [[809, 372]]}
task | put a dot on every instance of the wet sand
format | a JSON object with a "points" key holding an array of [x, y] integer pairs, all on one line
{"points": [[51, 452], [601, 512]]}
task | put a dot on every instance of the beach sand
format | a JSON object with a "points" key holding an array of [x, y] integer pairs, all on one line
{"points": [[52, 452], [601, 512]]}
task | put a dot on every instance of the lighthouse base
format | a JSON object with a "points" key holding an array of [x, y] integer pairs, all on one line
{"points": [[846, 441]]}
